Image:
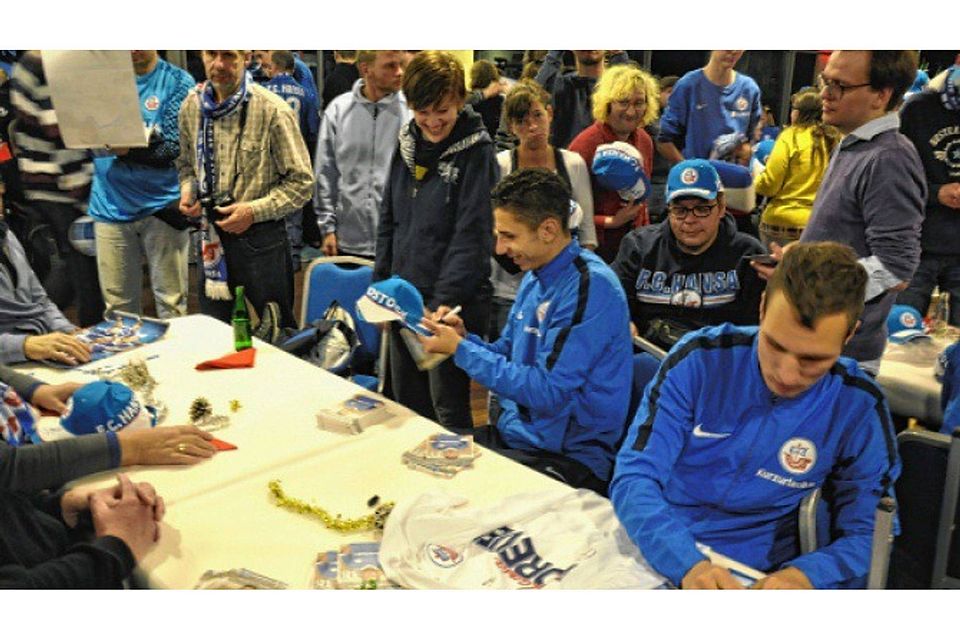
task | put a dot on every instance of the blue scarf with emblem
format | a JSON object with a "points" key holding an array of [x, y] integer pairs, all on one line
{"points": [[951, 89], [17, 419], [214, 265]]}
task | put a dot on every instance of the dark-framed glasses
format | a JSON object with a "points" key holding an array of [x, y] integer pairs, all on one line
{"points": [[699, 210], [835, 90]]}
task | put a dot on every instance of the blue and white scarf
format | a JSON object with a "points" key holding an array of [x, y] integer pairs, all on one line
{"points": [[214, 265], [17, 418], [951, 89]]}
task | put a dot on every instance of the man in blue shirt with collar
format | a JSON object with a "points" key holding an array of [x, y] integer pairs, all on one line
{"points": [[563, 364], [873, 192], [741, 423]]}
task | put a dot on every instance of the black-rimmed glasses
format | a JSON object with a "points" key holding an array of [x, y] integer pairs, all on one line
{"points": [[835, 90]]}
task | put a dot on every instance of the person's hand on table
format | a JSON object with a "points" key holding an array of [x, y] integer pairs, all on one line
{"points": [[239, 217], [706, 575], [53, 397], [165, 445], [124, 513], [445, 338], [57, 346], [765, 271], [77, 500], [789, 578]]}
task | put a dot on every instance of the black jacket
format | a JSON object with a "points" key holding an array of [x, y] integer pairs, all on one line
{"points": [[693, 291], [935, 132], [437, 232]]}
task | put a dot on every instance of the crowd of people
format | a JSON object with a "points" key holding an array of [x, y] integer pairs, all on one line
{"points": [[547, 222]]}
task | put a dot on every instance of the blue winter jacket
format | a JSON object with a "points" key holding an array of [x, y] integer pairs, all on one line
{"points": [[713, 456], [562, 365]]}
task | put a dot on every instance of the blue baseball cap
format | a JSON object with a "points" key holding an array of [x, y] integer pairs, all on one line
{"points": [[904, 324], [393, 299], [693, 178], [762, 151], [103, 406], [618, 166]]}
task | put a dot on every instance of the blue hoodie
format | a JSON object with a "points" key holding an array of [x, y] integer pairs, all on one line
{"points": [[713, 456]]}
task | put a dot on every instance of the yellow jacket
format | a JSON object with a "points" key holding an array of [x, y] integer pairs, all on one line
{"points": [[791, 177]]}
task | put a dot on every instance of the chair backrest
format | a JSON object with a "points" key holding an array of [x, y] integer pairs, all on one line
{"points": [[927, 552], [344, 279]]}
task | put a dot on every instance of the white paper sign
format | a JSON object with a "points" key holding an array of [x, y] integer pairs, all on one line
{"points": [[95, 96]]}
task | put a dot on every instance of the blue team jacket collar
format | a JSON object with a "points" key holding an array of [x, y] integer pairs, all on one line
{"points": [[552, 270]]}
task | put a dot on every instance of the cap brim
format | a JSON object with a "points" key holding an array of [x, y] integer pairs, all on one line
{"points": [[373, 312], [691, 192], [908, 335]]}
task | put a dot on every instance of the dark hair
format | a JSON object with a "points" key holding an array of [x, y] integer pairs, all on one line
{"points": [[520, 100], [668, 81], [282, 60], [819, 279], [482, 73], [809, 106], [533, 195], [895, 70], [430, 77]]}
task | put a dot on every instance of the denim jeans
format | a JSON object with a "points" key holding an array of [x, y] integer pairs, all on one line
{"points": [[934, 271], [258, 259], [121, 247]]}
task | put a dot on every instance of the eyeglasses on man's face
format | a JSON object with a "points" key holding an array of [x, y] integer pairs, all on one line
{"points": [[835, 90], [699, 211]]}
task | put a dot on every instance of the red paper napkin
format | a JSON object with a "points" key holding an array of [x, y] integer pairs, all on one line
{"points": [[237, 360], [222, 445]]}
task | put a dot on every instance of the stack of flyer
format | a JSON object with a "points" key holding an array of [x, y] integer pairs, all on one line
{"points": [[353, 415], [354, 566], [443, 454]]}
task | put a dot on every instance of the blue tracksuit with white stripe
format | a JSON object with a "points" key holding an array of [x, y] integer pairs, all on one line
{"points": [[713, 456], [563, 364]]}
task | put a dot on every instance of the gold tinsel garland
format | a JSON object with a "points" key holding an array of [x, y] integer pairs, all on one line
{"points": [[372, 522]]}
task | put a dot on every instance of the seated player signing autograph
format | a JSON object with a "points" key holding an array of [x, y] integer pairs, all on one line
{"points": [[562, 365], [740, 423]]}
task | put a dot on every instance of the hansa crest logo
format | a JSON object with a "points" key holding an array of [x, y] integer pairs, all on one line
{"points": [[908, 320], [542, 311], [742, 104], [152, 103], [444, 556], [689, 176], [798, 456]]}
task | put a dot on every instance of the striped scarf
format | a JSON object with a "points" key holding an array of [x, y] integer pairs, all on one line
{"points": [[17, 418]]}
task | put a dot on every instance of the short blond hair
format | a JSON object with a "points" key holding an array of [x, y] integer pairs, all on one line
{"points": [[619, 83]]}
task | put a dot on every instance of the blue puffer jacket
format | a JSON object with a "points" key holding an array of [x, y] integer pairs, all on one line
{"points": [[562, 366], [713, 456]]}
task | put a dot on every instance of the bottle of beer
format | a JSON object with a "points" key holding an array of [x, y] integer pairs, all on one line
{"points": [[241, 322]]}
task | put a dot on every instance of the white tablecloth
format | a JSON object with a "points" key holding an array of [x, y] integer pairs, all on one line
{"points": [[906, 375]]}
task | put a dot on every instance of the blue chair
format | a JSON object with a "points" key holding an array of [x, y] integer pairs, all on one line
{"points": [[344, 279]]}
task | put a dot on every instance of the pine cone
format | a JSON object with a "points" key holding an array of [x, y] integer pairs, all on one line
{"points": [[200, 409]]}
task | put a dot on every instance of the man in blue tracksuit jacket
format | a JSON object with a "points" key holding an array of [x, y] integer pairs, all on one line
{"points": [[562, 366], [739, 424]]}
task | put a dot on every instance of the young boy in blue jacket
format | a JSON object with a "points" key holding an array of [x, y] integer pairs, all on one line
{"points": [[740, 423], [562, 366]]}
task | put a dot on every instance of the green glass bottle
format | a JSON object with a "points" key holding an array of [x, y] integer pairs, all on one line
{"points": [[241, 322]]}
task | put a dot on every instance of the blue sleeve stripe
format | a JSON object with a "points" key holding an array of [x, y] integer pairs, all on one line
{"points": [[582, 295]]}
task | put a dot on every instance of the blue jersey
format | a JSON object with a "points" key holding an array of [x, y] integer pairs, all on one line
{"points": [[713, 456], [563, 364], [699, 111], [949, 364], [143, 181], [305, 107]]}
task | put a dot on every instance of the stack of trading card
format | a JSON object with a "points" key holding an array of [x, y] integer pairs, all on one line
{"points": [[354, 566], [353, 415], [443, 454]]}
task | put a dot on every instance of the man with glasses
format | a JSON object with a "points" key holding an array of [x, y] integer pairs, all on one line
{"points": [[874, 189], [688, 271]]}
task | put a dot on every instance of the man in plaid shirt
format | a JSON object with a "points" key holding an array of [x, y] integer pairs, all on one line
{"points": [[243, 166]]}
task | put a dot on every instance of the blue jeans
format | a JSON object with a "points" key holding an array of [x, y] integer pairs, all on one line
{"points": [[258, 259], [941, 271]]}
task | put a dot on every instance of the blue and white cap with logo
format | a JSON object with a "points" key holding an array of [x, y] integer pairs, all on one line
{"points": [[693, 178], [904, 324], [618, 166], [393, 299], [103, 406]]}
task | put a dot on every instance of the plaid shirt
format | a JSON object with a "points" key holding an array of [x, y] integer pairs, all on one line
{"points": [[274, 178]]}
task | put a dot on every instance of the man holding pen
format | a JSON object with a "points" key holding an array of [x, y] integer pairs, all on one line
{"points": [[562, 365]]}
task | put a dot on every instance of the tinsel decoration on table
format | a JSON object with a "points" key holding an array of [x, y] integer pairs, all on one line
{"points": [[371, 522]]}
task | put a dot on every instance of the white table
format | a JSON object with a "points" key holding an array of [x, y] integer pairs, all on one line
{"points": [[906, 375]]}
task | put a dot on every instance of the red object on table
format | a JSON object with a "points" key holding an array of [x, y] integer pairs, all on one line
{"points": [[222, 445], [237, 360]]}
